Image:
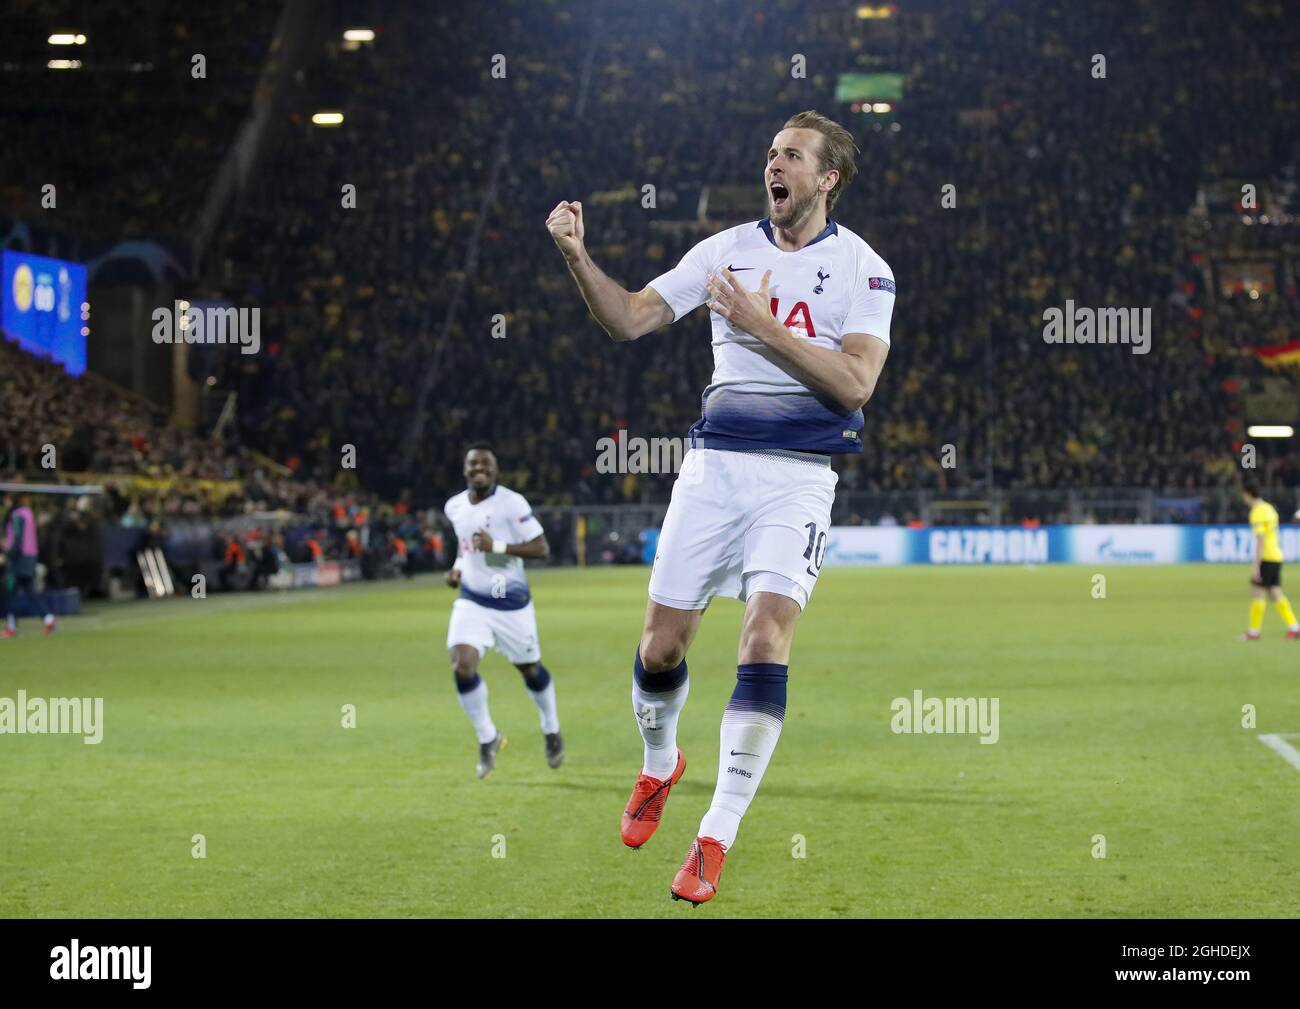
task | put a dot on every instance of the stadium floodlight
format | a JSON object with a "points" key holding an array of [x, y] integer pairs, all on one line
{"points": [[67, 39], [874, 12], [881, 107], [359, 35], [327, 119], [1270, 431], [64, 64]]}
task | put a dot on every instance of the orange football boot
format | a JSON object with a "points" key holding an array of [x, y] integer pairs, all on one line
{"points": [[644, 809], [697, 880]]}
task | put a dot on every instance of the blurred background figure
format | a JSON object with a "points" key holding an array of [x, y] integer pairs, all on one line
{"points": [[19, 579]]}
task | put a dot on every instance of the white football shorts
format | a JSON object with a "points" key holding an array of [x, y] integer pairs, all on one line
{"points": [[744, 522], [513, 633]]}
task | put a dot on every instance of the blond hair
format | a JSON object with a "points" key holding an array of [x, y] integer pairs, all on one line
{"points": [[837, 149]]}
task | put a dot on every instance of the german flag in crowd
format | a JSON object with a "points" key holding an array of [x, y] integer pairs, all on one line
{"points": [[1279, 356]]}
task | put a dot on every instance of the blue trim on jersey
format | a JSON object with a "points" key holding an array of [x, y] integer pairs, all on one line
{"points": [[831, 229], [515, 599], [827, 438]]}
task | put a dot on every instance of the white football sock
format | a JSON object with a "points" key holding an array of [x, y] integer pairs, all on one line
{"points": [[542, 690], [475, 703], [657, 711], [751, 726]]}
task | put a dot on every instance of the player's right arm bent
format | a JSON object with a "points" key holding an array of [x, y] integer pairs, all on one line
{"points": [[622, 314]]}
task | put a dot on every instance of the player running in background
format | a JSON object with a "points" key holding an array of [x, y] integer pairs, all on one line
{"points": [[1266, 570], [794, 363], [18, 574], [496, 530]]}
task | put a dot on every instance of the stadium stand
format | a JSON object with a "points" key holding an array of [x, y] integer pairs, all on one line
{"points": [[1089, 200], [1067, 187]]}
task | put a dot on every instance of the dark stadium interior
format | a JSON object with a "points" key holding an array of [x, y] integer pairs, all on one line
{"points": [[377, 321]]}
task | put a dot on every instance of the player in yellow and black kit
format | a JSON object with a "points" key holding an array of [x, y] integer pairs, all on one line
{"points": [[1266, 574]]}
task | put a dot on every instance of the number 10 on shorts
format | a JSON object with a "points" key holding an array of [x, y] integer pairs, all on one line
{"points": [[816, 551]]}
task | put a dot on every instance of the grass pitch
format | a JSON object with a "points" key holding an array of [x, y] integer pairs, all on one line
{"points": [[223, 717]]}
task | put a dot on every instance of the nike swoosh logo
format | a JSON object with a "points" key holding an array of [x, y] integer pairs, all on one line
{"points": [[738, 269], [742, 753]]}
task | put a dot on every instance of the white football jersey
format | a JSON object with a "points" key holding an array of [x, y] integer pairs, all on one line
{"points": [[495, 580], [834, 285]]}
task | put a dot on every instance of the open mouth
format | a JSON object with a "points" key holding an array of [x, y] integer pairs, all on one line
{"points": [[780, 195]]}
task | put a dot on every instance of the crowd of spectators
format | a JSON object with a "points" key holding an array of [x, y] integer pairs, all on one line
{"points": [[1068, 185], [92, 426], [476, 120], [87, 540], [389, 543], [55, 428]]}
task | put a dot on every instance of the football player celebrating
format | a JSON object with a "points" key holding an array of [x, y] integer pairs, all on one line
{"points": [[795, 360], [496, 530]]}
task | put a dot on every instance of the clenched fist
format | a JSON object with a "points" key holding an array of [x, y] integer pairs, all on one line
{"points": [[565, 226]]}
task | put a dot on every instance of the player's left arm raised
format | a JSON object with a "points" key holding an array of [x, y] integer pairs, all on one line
{"points": [[847, 376]]}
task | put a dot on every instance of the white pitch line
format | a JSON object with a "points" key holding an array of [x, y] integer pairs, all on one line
{"points": [[1282, 748]]}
